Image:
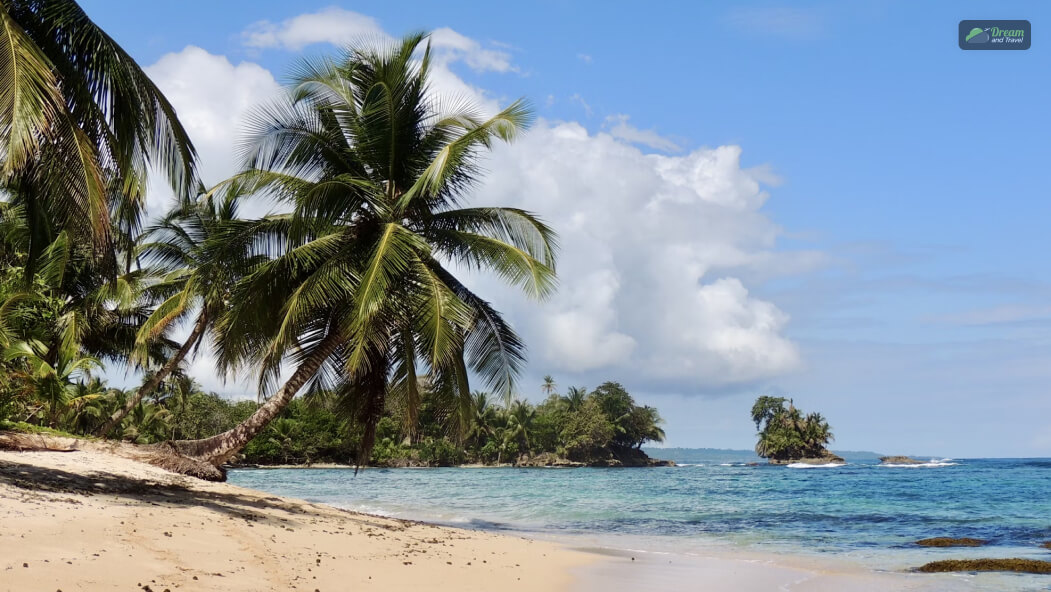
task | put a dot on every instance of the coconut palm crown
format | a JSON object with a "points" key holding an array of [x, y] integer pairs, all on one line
{"points": [[359, 293], [80, 126]]}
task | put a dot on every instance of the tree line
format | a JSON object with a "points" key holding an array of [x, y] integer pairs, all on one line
{"points": [[352, 288]]}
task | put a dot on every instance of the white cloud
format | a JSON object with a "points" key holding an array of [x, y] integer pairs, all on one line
{"points": [[657, 251], [211, 96], [653, 251], [577, 98], [618, 127], [331, 25], [453, 46], [587, 59], [337, 26]]}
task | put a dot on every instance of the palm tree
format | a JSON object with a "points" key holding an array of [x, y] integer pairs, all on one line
{"points": [[86, 405], [282, 432], [483, 420], [548, 387], [8, 308], [197, 282], [519, 420], [816, 432], [575, 396], [80, 124], [53, 378], [147, 424], [358, 294]]}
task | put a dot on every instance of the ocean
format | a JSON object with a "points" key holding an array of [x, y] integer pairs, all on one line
{"points": [[716, 502]]}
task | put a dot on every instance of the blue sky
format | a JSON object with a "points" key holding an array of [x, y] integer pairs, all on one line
{"points": [[894, 269]]}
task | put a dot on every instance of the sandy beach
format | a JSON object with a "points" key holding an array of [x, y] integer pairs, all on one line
{"points": [[89, 521]]}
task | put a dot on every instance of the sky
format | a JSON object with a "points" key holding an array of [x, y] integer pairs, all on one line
{"points": [[820, 200]]}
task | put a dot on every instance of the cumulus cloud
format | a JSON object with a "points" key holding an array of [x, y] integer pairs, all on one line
{"points": [[331, 25], [618, 127], [658, 251], [651, 247], [211, 96]]}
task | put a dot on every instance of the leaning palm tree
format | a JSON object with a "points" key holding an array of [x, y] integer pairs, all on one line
{"points": [[360, 295], [80, 122], [197, 284]]}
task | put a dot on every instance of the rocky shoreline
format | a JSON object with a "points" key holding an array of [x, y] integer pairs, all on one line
{"points": [[900, 460], [543, 460]]}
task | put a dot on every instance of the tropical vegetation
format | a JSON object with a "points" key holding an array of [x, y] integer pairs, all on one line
{"points": [[353, 297], [785, 433]]}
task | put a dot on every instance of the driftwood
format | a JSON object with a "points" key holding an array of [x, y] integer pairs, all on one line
{"points": [[161, 455]]}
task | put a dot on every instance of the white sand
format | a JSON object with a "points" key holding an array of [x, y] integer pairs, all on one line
{"points": [[89, 521]]}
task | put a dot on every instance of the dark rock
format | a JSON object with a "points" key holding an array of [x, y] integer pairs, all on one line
{"points": [[827, 458], [901, 460], [951, 542], [546, 459], [1015, 565]]}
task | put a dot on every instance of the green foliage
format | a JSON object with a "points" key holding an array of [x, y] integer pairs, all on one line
{"points": [[359, 275], [785, 433], [440, 452], [80, 124], [587, 432]]}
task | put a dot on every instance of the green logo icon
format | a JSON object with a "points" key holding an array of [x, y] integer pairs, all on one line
{"points": [[994, 34], [977, 35]]}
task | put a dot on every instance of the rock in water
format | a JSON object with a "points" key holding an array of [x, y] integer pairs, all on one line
{"points": [[825, 459], [951, 542], [1016, 565], [900, 460]]}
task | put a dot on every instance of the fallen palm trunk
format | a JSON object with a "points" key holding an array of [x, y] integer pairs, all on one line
{"points": [[162, 455]]}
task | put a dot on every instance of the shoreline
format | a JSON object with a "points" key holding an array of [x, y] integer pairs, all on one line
{"points": [[93, 521], [90, 521]]}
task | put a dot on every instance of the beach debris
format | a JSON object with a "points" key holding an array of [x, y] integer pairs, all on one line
{"points": [[1015, 565]]}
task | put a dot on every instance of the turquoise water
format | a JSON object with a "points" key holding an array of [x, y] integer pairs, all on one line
{"points": [[861, 511]]}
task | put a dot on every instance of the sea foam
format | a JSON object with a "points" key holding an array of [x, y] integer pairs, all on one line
{"points": [[810, 466], [945, 462]]}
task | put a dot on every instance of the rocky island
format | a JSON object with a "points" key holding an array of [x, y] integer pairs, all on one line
{"points": [[787, 436]]}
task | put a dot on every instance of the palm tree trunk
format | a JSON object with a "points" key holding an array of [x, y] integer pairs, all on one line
{"points": [[152, 384], [220, 448]]}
